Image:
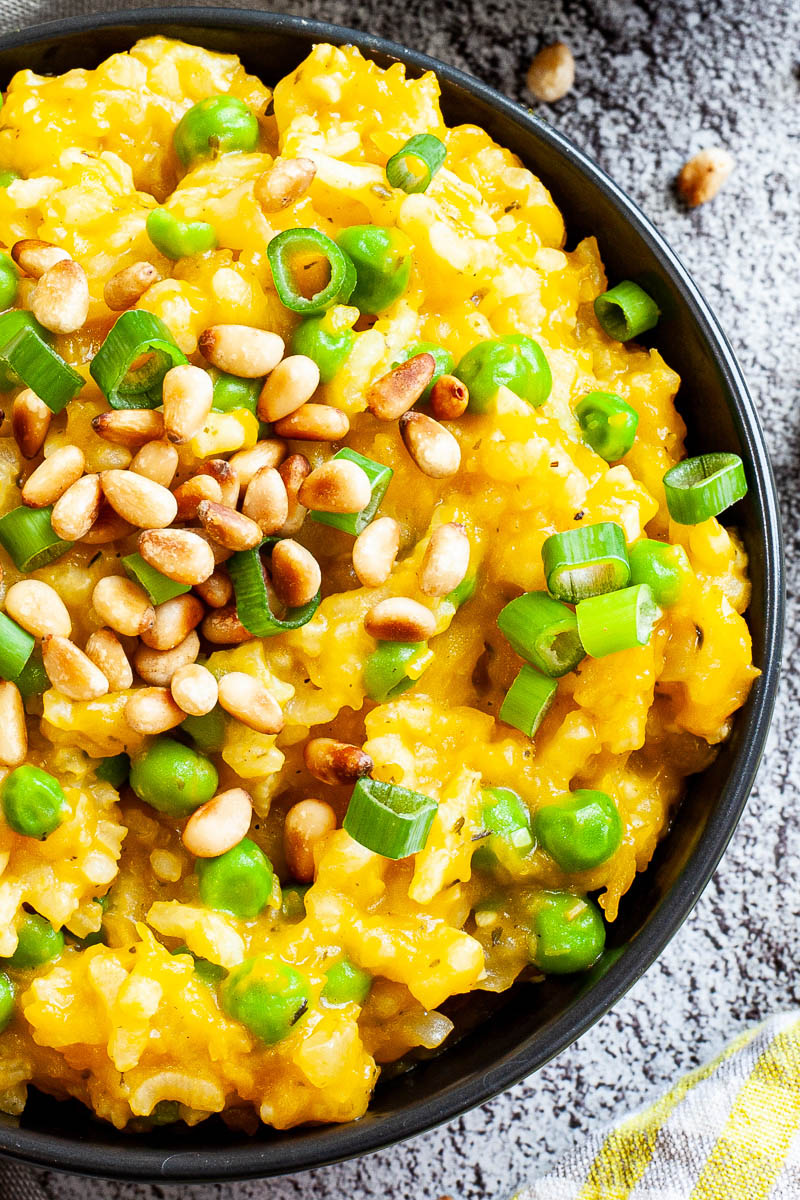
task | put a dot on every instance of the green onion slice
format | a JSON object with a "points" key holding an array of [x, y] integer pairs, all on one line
{"points": [[130, 366], [528, 700], [626, 311], [27, 535], [388, 819], [309, 243], [414, 165], [26, 355], [379, 478], [608, 424], [158, 587], [16, 647], [114, 770], [703, 487], [464, 592], [253, 605], [586, 562], [32, 679], [543, 631], [617, 621], [662, 566], [385, 670]]}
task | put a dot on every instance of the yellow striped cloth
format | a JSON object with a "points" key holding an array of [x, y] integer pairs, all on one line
{"points": [[728, 1131]]}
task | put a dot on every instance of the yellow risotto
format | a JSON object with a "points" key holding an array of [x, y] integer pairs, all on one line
{"points": [[354, 646]]}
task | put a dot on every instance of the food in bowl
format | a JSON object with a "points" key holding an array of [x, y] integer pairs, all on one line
{"points": [[362, 617]]}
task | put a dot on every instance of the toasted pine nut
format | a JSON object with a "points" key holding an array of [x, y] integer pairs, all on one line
{"points": [[219, 553], [132, 427], [265, 500], [222, 627], [217, 590], [552, 73], [195, 689], [76, 511], [123, 605], [13, 730], [338, 486], [394, 393], [188, 395], [38, 608], [158, 666], [375, 550], [226, 475], [241, 350], [30, 421], [292, 383], [306, 824], [35, 257], [157, 460], [71, 671], [449, 398], [152, 710], [249, 702], [296, 576], [284, 183], [335, 762], [60, 300], [138, 499], [127, 286], [704, 174], [432, 447], [107, 528], [219, 824], [293, 471], [314, 423], [445, 561], [52, 477], [180, 554], [400, 619], [192, 491], [269, 453], [174, 620], [106, 652], [228, 527]]}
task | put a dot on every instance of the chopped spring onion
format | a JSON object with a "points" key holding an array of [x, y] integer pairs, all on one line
{"points": [[26, 355], [9, 279], [543, 631], [231, 392], [379, 477], [158, 587], [528, 700], [608, 424], [16, 647], [586, 562], [130, 366], [385, 670], [388, 819], [414, 165], [662, 567], [309, 244], [114, 770], [27, 535], [617, 621], [8, 175], [253, 602], [32, 679], [464, 592], [703, 487], [626, 311]]}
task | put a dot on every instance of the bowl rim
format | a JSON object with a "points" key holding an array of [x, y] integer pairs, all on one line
{"points": [[331, 1144]]}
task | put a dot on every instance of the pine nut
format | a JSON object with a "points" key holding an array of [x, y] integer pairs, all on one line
{"points": [[179, 554], [335, 762], [269, 453], [399, 619], [314, 423], [291, 384], [157, 460], [284, 183], [296, 576], [52, 477], [219, 553], [432, 447], [449, 398], [35, 257], [226, 475], [190, 494], [241, 350], [132, 427], [219, 824], [265, 500], [60, 300], [307, 824], [394, 393], [552, 73], [249, 702], [105, 650], [152, 710], [38, 608], [174, 621], [293, 471], [704, 174], [30, 421], [195, 689], [123, 605], [122, 290], [188, 396], [228, 527], [338, 486], [76, 511], [158, 666], [146, 504], [13, 730], [71, 671], [107, 528], [445, 561], [217, 590], [222, 627], [375, 551]]}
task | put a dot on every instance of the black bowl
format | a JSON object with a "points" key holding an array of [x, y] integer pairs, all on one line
{"points": [[527, 1027]]}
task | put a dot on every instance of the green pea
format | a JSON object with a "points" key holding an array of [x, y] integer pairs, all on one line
{"points": [[385, 670], [231, 392], [516, 362], [267, 996], [509, 823], [382, 259], [662, 567], [582, 831], [114, 770], [329, 351], [7, 176], [441, 357], [166, 1112], [210, 973], [346, 984], [9, 278], [214, 126], [172, 778], [567, 933], [38, 942], [608, 424], [6, 1000], [238, 881], [293, 901], [34, 803], [207, 732], [179, 239]]}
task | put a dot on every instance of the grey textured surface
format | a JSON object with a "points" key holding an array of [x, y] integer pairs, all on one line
{"points": [[656, 80]]}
